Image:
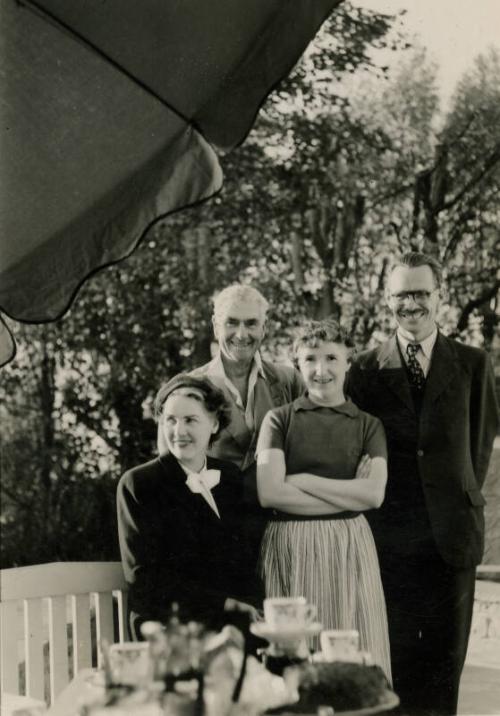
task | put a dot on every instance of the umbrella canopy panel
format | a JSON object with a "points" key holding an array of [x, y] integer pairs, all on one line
{"points": [[213, 60], [108, 113], [89, 159]]}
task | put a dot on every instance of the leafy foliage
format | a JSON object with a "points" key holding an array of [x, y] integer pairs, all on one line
{"points": [[346, 166], [471, 210]]}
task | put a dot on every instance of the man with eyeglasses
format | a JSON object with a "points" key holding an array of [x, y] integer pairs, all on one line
{"points": [[436, 399]]}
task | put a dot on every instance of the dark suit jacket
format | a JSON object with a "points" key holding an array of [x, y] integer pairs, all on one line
{"points": [[173, 546], [448, 447]]}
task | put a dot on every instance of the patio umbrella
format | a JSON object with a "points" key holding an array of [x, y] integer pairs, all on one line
{"points": [[112, 112]]}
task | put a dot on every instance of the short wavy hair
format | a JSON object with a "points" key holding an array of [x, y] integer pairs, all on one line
{"points": [[415, 259], [213, 400], [239, 292], [312, 333]]}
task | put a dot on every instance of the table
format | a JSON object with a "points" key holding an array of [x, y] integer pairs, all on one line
{"points": [[15, 702], [83, 686]]}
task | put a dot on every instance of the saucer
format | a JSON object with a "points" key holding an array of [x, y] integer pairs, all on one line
{"points": [[95, 678], [391, 701], [360, 657], [289, 633]]}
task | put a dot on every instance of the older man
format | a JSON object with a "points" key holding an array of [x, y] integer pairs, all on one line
{"points": [[251, 384], [436, 399]]}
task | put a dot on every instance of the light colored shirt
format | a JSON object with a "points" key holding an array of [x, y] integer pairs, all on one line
{"points": [[424, 353], [256, 370]]}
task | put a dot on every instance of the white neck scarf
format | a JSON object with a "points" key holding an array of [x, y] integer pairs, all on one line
{"points": [[203, 482]]}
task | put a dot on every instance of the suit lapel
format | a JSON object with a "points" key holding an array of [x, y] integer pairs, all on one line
{"points": [[226, 494], [443, 369], [173, 471], [392, 371], [189, 500], [274, 384], [267, 395], [175, 478], [221, 490]]}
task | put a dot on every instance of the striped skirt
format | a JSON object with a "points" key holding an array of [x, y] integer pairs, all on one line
{"points": [[334, 564]]}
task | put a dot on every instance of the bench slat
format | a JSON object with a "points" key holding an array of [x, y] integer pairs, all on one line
{"points": [[104, 621], [58, 644], [9, 626], [123, 634], [33, 639], [24, 592], [80, 611]]}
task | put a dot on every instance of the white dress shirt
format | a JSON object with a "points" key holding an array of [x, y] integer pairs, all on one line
{"points": [[424, 353]]}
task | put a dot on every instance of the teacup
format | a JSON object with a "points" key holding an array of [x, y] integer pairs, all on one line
{"points": [[130, 663], [339, 644], [288, 612]]}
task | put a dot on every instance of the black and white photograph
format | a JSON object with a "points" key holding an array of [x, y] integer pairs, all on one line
{"points": [[250, 357]]}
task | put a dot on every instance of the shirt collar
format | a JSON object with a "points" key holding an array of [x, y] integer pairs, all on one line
{"points": [[218, 366], [257, 359], [305, 403], [426, 345]]}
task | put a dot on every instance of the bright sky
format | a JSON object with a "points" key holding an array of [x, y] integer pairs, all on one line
{"points": [[454, 31]]}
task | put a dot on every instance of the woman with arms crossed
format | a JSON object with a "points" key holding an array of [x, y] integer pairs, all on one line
{"points": [[321, 462]]}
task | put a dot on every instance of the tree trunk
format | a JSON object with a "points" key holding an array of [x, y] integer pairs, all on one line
{"points": [[326, 306], [202, 346]]}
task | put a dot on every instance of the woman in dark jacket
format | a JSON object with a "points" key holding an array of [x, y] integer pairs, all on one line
{"points": [[179, 518]]}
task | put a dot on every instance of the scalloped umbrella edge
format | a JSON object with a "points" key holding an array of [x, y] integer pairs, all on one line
{"points": [[140, 158]]}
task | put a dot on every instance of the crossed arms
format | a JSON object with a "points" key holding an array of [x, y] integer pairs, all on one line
{"points": [[308, 494]]}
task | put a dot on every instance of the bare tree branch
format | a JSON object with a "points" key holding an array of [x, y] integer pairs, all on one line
{"points": [[392, 195], [454, 140], [487, 167], [456, 233], [94, 426], [474, 303]]}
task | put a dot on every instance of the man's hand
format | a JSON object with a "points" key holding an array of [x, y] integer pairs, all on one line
{"points": [[364, 468], [234, 605]]}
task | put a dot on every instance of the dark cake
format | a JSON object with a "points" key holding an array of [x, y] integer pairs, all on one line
{"points": [[341, 685]]}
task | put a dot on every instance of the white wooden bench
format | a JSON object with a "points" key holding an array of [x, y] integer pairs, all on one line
{"points": [[37, 605]]}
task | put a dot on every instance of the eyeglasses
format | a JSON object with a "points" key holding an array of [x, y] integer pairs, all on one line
{"points": [[417, 296]]}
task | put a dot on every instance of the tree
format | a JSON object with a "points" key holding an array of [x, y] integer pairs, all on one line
{"points": [[52, 508], [327, 188], [78, 398], [470, 212], [342, 195]]}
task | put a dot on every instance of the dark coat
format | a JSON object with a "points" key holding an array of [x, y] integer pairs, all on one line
{"points": [[173, 546], [447, 447]]}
